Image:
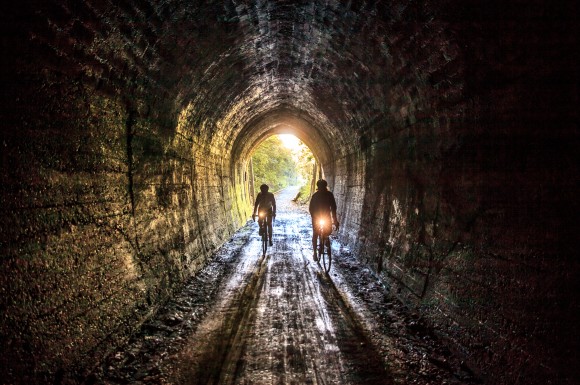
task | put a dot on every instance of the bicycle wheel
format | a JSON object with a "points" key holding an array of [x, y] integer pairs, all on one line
{"points": [[326, 254], [264, 240], [319, 247]]}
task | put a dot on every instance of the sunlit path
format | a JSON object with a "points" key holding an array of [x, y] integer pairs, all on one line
{"points": [[276, 321]]}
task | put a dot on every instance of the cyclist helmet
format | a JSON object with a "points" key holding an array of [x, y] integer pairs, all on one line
{"points": [[264, 188], [321, 184]]}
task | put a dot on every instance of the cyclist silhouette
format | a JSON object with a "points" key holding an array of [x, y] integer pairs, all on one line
{"points": [[266, 203], [322, 207]]}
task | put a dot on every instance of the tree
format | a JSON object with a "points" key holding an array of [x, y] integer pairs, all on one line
{"points": [[274, 165]]}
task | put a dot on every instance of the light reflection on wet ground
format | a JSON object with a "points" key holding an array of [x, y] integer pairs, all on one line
{"points": [[250, 319]]}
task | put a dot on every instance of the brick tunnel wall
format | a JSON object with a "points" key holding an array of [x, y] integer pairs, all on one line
{"points": [[454, 165], [463, 193], [110, 199]]}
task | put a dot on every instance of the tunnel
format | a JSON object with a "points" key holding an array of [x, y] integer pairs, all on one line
{"points": [[447, 131]]}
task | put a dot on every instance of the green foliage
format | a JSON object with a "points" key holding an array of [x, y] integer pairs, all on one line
{"points": [[279, 167], [303, 195], [304, 162], [274, 165]]}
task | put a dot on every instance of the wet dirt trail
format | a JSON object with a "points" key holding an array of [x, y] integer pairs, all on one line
{"points": [[277, 319]]}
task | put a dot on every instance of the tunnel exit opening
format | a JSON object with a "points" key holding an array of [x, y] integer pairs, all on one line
{"points": [[281, 161], [292, 126]]}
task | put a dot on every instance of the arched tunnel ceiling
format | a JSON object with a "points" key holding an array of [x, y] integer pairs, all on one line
{"points": [[282, 121], [240, 66], [225, 65]]}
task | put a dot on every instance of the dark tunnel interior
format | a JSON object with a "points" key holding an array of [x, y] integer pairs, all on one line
{"points": [[447, 130]]}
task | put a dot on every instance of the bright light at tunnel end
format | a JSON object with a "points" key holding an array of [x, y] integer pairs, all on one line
{"points": [[290, 141]]}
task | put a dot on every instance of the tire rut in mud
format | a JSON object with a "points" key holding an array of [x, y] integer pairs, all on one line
{"points": [[217, 358]]}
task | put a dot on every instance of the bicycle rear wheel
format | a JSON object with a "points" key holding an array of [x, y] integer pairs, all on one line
{"points": [[264, 240], [319, 247], [326, 254]]}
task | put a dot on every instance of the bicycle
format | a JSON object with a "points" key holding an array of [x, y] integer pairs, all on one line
{"points": [[323, 245], [263, 223]]}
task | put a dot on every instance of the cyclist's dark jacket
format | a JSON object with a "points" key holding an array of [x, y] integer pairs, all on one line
{"points": [[267, 203], [322, 204]]}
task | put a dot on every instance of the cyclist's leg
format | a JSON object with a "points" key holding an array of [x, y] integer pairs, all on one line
{"points": [[270, 228], [314, 241], [327, 231]]}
